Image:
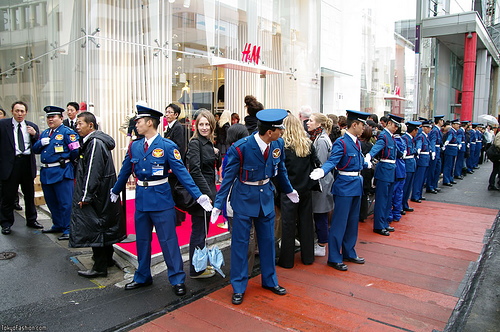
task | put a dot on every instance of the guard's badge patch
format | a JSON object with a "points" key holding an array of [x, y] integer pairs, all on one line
{"points": [[177, 154], [158, 153], [276, 153], [59, 137]]}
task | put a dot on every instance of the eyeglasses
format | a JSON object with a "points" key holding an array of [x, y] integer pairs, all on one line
{"points": [[169, 112]]}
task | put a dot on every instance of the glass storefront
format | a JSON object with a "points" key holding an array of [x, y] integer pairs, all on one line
{"points": [[198, 54]]}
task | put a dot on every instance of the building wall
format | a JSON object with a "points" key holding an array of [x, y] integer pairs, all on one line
{"points": [[443, 94]]}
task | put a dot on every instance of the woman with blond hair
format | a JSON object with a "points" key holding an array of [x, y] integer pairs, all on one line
{"points": [[202, 158], [319, 126], [300, 158]]}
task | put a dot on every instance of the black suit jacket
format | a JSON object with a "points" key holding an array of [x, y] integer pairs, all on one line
{"points": [[178, 135], [66, 123], [8, 148]]}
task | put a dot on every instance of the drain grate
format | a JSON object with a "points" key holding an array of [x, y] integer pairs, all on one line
{"points": [[7, 255]]}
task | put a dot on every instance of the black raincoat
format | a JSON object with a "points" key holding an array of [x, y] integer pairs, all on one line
{"points": [[98, 223]]}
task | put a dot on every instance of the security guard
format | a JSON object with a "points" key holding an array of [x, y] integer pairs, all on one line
{"points": [[425, 152], [462, 148], [479, 145], [472, 149], [410, 162], [450, 148], [150, 159], [251, 162], [397, 193], [58, 148], [347, 190], [435, 140], [385, 173]]}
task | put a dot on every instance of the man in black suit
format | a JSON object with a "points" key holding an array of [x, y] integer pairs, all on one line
{"points": [[17, 166], [72, 111]]}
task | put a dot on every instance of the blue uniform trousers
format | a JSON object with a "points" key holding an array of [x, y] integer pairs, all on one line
{"points": [[418, 182], [449, 162], [344, 228], [459, 164], [433, 173], [470, 160], [383, 203], [477, 154], [164, 222], [397, 201], [264, 228], [407, 187], [59, 197]]}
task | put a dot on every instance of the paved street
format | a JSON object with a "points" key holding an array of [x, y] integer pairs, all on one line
{"points": [[43, 288]]}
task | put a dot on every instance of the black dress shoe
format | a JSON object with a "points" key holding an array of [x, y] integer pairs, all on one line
{"points": [[390, 229], [433, 191], [134, 285], [447, 184], [416, 200], [92, 274], [438, 189], [17, 207], [403, 213], [382, 232], [180, 289], [490, 187], [338, 266], [6, 230], [278, 290], [63, 237], [453, 182], [357, 260], [237, 298], [423, 198], [408, 209], [470, 172], [51, 230], [459, 177], [34, 224]]}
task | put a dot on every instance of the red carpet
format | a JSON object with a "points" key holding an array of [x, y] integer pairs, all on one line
{"points": [[183, 231]]}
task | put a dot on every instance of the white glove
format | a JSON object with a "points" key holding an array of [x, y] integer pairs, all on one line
{"points": [[45, 141], [368, 158], [294, 196], [317, 174], [446, 143], [468, 145], [443, 147], [418, 151], [204, 201], [405, 153], [215, 215], [459, 146], [433, 155], [113, 196], [370, 165]]}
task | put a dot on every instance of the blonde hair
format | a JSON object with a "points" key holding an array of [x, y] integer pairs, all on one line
{"points": [[295, 136], [325, 122], [204, 113], [225, 117]]}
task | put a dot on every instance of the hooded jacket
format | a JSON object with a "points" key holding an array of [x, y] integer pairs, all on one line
{"points": [[98, 223]]}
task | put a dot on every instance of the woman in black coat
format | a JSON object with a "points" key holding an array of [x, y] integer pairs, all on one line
{"points": [[202, 159], [367, 174], [300, 160]]}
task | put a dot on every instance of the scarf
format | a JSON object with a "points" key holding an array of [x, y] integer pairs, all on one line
{"points": [[315, 133]]}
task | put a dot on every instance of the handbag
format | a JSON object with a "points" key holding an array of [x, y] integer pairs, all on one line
{"points": [[493, 153]]}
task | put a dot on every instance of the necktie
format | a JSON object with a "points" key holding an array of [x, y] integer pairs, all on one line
{"points": [[71, 125], [20, 138], [51, 132], [145, 146], [266, 153], [357, 144]]}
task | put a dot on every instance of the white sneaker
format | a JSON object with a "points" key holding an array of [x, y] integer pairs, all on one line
{"points": [[209, 272], [319, 250]]}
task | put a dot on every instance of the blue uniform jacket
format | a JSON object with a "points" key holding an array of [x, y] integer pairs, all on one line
{"points": [[461, 139], [451, 138], [400, 163], [386, 146], [248, 199], [153, 165], [436, 140], [410, 163], [63, 146], [347, 157], [422, 144], [479, 137]]}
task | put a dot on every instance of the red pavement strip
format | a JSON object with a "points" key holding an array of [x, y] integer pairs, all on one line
{"points": [[408, 283]]}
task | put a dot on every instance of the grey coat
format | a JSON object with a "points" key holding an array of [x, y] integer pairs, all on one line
{"points": [[323, 201]]}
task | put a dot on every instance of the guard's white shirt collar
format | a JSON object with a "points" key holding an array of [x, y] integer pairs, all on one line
{"points": [[261, 143], [388, 131], [150, 141], [354, 138]]}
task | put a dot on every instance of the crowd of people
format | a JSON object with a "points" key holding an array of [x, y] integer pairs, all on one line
{"points": [[285, 181]]}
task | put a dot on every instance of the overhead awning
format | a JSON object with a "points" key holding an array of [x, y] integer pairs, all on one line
{"points": [[237, 65], [388, 96]]}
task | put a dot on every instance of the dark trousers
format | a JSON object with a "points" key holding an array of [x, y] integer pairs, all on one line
{"points": [[363, 209], [321, 222], [103, 257], [199, 230], [494, 173], [383, 203], [294, 217], [21, 175]]}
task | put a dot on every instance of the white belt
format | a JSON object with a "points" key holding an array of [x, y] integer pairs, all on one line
{"points": [[349, 173], [256, 183], [472, 142], [151, 183], [452, 144], [55, 164], [437, 145], [390, 161], [425, 152], [409, 157]]}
